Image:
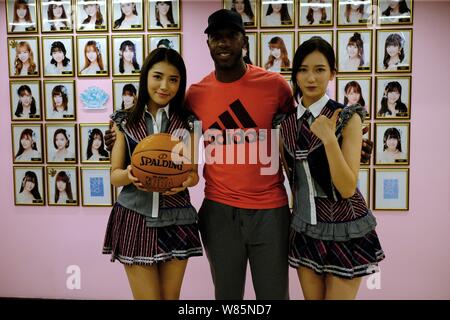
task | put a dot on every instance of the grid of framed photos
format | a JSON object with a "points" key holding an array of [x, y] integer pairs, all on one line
{"points": [[58, 161], [373, 44]]}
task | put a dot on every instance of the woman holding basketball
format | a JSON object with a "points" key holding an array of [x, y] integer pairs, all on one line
{"points": [[152, 234]]}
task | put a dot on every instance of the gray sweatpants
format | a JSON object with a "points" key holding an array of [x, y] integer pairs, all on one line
{"points": [[232, 236]]}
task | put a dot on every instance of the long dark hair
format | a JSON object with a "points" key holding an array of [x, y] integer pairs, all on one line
{"points": [[64, 133], [396, 40], [348, 10], [169, 13], [356, 40], [101, 150], [26, 133], [32, 177], [62, 176], [392, 133], [284, 13], [247, 59], [310, 14], [399, 105], [119, 21], [60, 90], [128, 88], [354, 86], [51, 17], [402, 8], [19, 109], [59, 46], [132, 47], [177, 103], [247, 8], [306, 48], [98, 18]]}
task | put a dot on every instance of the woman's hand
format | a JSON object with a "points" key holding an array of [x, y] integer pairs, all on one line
{"points": [[191, 181], [324, 128], [135, 180]]}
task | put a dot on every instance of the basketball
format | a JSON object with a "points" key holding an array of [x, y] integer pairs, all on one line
{"points": [[159, 164]]}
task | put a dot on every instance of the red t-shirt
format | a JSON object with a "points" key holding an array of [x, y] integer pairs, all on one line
{"points": [[247, 105]]}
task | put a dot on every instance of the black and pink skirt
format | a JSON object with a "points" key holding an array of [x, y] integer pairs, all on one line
{"points": [[130, 241]]}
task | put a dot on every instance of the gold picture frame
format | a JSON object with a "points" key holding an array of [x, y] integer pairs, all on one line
{"points": [[249, 16], [399, 86], [346, 38], [173, 16], [99, 186], [18, 88], [36, 195], [31, 150], [401, 38], [29, 48], [119, 21], [61, 137], [99, 45], [101, 15], [53, 24], [87, 133], [167, 40], [308, 16], [69, 177], [403, 17], [122, 43], [363, 84], [391, 189], [65, 90], [59, 44], [123, 86], [390, 135], [30, 13], [347, 16], [273, 38]]}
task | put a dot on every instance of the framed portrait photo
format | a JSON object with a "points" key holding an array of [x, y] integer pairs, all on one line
{"points": [[246, 8], [25, 100], [164, 15], [29, 186], [27, 146], [355, 90], [168, 40], [92, 143], [125, 93], [364, 184], [59, 97], [61, 142], [62, 186], [57, 56], [128, 55], [393, 98], [92, 15], [96, 188], [355, 13], [354, 51], [395, 12], [394, 50], [56, 16], [392, 143], [277, 14], [92, 60], [250, 52], [368, 136], [316, 13], [127, 15], [391, 189], [21, 16], [23, 54], [325, 35], [277, 51]]}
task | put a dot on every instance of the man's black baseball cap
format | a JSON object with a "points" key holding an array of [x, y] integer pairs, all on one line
{"points": [[224, 18]]}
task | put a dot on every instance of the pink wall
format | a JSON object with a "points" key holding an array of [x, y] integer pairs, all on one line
{"points": [[38, 244]]}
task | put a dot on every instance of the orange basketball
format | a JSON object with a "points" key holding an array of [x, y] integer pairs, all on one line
{"points": [[159, 164]]}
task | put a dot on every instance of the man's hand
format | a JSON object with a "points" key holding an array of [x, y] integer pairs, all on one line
{"points": [[110, 136], [367, 147]]}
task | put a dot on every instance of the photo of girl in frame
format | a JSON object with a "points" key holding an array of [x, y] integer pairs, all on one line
{"points": [[125, 93], [23, 57], [306, 35], [62, 186], [56, 15], [164, 15], [59, 100], [392, 143], [394, 50], [96, 188], [25, 100], [355, 90], [29, 186], [169, 41], [92, 143], [276, 15], [93, 56], [277, 51], [61, 143], [393, 97], [21, 16], [128, 55], [127, 15], [394, 12], [316, 13], [249, 51], [354, 50], [354, 12], [58, 60], [27, 143], [92, 15], [246, 8]]}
